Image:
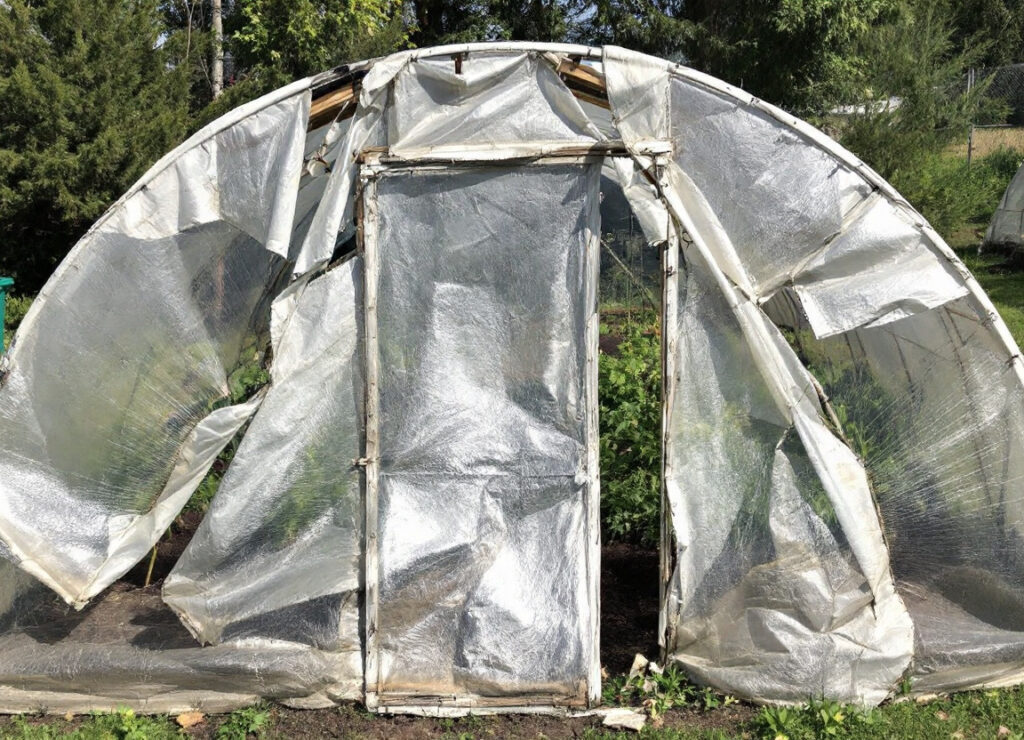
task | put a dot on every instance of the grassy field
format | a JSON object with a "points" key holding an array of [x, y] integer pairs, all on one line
{"points": [[988, 140]]}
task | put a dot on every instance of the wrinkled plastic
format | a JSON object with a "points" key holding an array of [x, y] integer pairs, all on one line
{"points": [[1007, 225], [278, 554], [109, 412], [486, 496]]}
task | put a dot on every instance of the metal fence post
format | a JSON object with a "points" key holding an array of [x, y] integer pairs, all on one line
{"points": [[970, 130]]}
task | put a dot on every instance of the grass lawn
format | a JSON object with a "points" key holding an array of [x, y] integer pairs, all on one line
{"points": [[1004, 285]]}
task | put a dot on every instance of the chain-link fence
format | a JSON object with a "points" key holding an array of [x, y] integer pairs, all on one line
{"points": [[630, 268], [1000, 124]]}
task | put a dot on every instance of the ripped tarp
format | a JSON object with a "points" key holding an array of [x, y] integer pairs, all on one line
{"points": [[822, 241], [279, 553], [111, 397]]}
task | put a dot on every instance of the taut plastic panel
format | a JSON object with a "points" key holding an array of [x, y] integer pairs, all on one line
{"points": [[487, 564]]}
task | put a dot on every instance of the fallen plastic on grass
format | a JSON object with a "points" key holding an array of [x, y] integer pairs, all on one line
{"points": [[411, 517]]}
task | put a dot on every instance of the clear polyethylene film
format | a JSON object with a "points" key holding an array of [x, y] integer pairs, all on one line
{"points": [[412, 515], [279, 553], [931, 405], [111, 409], [767, 598], [485, 497]]}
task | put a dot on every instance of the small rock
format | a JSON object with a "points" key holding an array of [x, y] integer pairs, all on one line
{"points": [[190, 719], [625, 719], [69, 716], [942, 715], [1003, 731]]}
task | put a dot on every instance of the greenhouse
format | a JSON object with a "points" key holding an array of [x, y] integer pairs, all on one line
{"points": [[1006, 229], [410, 248]]}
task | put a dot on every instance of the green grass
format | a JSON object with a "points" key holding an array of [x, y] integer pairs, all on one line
{"points": [[124, 724], [1004, 285]]}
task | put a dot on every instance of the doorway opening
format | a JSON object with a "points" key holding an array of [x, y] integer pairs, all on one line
{"points": [[629, 393]]}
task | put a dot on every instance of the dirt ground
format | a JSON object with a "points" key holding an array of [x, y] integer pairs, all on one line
{"points": [[629, 623]]}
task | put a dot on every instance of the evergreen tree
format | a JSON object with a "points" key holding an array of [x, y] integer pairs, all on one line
{"points": [[88, 100], [800, 54]]}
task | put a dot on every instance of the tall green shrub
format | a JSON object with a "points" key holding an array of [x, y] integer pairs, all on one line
{"points": [[88, 100]]}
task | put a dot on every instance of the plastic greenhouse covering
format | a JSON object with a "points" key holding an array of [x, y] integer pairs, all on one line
{"points": [[410, 248], [1007, 226]]}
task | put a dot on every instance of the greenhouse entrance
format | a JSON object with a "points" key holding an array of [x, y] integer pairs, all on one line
{"points": [[482, 497]]}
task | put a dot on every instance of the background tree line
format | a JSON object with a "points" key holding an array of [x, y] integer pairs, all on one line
{"points": [[91, 93]]}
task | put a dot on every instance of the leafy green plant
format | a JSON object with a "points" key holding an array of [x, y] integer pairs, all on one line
{"points": [[124, 724], [819, 718], [629, 390], [242, 723], [660, 690], [16, 308]]}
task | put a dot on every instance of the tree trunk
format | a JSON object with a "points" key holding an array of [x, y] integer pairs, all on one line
{"points": [[217, 83]]}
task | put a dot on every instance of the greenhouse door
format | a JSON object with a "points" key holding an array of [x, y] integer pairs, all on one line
{"points": [[482, 501]]}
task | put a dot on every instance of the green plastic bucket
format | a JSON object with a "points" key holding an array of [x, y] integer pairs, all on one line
{"points": [[5, 285]]}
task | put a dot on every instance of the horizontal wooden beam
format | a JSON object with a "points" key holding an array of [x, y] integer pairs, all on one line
{"points": [[327, 108], [586, 83]]}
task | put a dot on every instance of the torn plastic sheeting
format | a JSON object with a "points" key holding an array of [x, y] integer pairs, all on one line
{"points": [[131, 537], [638, 90], [433, 106], [814, 610], [333, 216], [880, 269], [931, 400], [643, 198], [141, 384], [781, 556], [246, 175], [167, 294], [639, 93], [289, 510], [793, 196]]}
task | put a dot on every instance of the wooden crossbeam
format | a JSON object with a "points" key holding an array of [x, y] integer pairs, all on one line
{"points": [[584, 82], [339, 103]]}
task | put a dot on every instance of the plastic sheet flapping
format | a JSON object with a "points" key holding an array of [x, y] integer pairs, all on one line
{"points": [[1007, 225], [110, 411], [931, 405], [768, 599], [279, 553], [487, 496], [855, 654], [862, 265]]}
